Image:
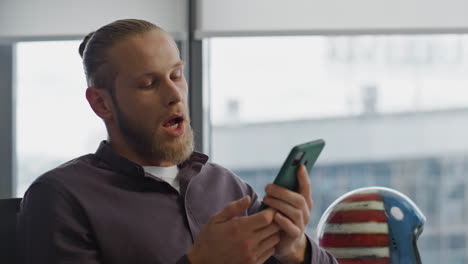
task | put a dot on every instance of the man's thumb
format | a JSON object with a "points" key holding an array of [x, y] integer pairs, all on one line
{"points": [[232, 210]]}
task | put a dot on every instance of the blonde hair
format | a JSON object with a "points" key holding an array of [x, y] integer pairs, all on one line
{"points": [[95, 46]]}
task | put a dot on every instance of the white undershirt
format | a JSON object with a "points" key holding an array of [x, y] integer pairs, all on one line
{"points": [[168, 174]]}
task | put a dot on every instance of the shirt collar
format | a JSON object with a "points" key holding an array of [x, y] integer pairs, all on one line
{"points": [[123, 165]]}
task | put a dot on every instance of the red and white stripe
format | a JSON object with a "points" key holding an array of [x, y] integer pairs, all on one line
{"points": [[356, 231]]}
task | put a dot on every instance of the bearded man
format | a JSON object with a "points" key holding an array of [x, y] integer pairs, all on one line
{"points": [[145, 196]]}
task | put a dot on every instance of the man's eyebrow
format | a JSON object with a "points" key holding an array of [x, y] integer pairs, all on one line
{"points": [[179, 63]]}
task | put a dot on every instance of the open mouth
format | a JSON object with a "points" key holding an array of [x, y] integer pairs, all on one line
{"points": [[174, 122]]}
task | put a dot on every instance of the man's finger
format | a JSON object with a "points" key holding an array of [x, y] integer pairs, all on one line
{"points": [[287, 225], [293, 213], [293, 198], [266, 246], [304, 185], [257, 221], [266, 232], [232, 210]]}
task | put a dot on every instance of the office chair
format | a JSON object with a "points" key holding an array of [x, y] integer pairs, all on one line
{"points": [[8, 240]]}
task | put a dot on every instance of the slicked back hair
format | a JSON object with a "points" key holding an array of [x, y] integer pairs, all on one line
{"points": [[95, 47]]}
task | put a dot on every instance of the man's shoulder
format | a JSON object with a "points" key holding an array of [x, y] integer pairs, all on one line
{"points": [[60, 181], [75, 168]]}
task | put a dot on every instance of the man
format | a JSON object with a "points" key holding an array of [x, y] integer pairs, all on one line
{"points": [[145, 196]]}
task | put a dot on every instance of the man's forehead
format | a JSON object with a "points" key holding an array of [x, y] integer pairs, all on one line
{"points": [[154, 49]]}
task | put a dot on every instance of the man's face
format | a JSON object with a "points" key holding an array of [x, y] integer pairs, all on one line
{"points": [[150, 98]]}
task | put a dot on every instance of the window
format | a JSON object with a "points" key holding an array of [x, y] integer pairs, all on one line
{"points": [[392, 109], [54, 123]]}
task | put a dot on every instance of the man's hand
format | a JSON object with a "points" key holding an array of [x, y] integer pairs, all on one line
{"points": [[292, 216], [228, 239]]}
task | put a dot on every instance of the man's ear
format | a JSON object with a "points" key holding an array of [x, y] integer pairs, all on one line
{"points": [[101, 102]]}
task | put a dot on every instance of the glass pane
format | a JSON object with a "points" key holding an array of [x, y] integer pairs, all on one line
{"points": [[53, 120], [392, 109]]}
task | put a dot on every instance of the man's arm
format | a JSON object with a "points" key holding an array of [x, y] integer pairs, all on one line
{"points": [[52, 228]]}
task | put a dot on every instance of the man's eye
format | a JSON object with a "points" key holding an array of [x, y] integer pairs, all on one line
{"points": [[146, 85], [176, 75], [149, 84]]}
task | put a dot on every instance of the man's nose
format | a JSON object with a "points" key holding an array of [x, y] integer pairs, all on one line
{"points": [[172, 93]]}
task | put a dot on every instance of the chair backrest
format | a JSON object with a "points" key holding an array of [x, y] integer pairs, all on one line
{"points": [[8, 240]]}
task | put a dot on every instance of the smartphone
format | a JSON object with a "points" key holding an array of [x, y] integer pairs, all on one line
{"points": [[307, 154]]}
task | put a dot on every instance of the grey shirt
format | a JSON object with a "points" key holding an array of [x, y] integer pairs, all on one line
{"points": [[103, 208]]}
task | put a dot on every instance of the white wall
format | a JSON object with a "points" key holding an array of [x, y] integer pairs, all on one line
{"points": [[42, 19], [45, 19], [277, 17], [399, 136]]}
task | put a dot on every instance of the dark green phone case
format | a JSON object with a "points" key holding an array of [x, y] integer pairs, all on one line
{"points": [[306, 154]]}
